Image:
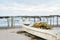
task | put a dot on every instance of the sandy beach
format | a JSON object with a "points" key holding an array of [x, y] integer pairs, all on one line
{"points": [[10, 34]]}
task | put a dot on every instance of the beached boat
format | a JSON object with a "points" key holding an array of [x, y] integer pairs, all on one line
{"points": [[51, 34]]}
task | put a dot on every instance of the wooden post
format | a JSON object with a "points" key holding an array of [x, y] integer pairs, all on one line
{"points": [[21, 17], [53, 20], [8, 22], [34, 19], [57, 20], [11, 21], [47, 19], [40, 18], [50, 21]]}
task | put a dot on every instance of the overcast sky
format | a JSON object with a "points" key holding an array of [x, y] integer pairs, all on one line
{"points": [[29, 7]]}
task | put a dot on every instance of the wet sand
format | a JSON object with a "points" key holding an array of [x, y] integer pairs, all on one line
{"points": [[10, 34]]}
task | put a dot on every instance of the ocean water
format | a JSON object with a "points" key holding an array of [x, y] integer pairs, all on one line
{"points": [[17, 21]]}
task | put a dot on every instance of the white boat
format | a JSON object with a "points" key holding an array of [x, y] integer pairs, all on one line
{"points": [[53, 34]]}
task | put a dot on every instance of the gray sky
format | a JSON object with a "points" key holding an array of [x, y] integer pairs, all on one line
{"points": [[29, 7]]}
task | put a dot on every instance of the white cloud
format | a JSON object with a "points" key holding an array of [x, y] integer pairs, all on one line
{"points": [[41, 7], [14, 7]]}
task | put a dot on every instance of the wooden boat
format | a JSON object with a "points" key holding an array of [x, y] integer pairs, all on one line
{"points": [[53, 34]]}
